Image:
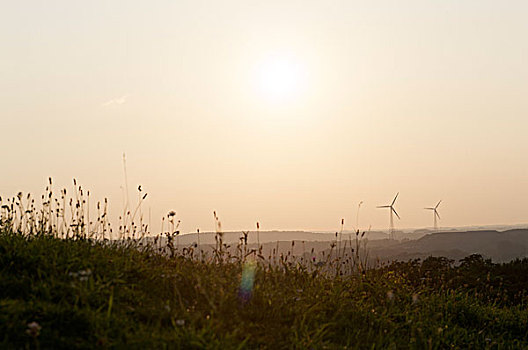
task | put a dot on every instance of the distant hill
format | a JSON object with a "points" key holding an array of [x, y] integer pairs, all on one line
{"points": [[265, 237], [499, 246], [233, 237]]}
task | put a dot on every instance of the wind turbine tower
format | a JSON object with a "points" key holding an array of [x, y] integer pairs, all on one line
{"points": [[435, 214], [391, 211]]}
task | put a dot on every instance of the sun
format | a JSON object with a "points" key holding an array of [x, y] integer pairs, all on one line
{"points": [[280, 77]]}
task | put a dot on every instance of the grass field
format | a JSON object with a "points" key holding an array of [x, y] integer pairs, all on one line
{"points": [[80, 293]]}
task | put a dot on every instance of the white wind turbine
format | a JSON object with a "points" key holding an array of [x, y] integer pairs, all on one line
{"points": [[392, 210], [435, 214]]}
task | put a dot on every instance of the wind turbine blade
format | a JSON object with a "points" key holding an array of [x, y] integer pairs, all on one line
{"points": [[383, 206], [430, 208], [394, 210], [438, 215], [438, 204], [394, 200]]}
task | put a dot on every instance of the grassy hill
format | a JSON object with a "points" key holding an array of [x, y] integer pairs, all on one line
{"points": [[77, 293]]}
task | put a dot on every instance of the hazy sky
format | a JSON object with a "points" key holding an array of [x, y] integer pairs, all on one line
{"points": [[285, 112]]}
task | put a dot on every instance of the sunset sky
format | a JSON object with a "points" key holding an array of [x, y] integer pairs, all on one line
{"points": [[285, 112]]}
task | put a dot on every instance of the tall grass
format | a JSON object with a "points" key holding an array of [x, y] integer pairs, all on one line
{"points": [[67, 216]]}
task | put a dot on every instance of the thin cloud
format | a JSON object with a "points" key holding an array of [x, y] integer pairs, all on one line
{"points": [[116, 101]]}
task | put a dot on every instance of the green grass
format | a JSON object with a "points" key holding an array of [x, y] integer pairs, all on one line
{"points": [[87, 294]]}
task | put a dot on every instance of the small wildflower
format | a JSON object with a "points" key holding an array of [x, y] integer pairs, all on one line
{"points": [[81, 275], [33, 329], [390, 295], [415, 298], [180, 322]]}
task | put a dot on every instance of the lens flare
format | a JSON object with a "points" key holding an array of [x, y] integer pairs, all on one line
{"points": [[247, 281]]}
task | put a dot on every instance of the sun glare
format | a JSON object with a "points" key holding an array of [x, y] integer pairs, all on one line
{"points": [[279, 78]]}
